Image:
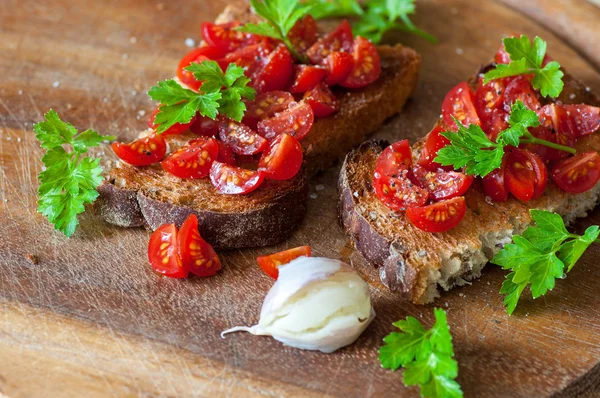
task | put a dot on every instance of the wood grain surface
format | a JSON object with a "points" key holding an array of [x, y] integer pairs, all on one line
{"points": [[89, 318]]}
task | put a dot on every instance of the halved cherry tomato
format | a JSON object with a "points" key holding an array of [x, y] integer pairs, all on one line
{"points": [[307, 77], [205, 126], [459, 103], [367, 65], [488, 101], [321, 100], [578, 173], [266, 105], [231, 180], [163, 254], [494, 185], [197, 256], [526, 175], [277, 71], [270, 264], [283, 159], [225, 154], [143, 151], [304, 33], [241, 138], [251, 58], [394, 158], [296, 121], [442, 185], [435, 141], [196, 55], [582, 119], [177, 128], [192, 160], [520, 88], [399, 193], [340, 39], [554, 127], [339, 65], [225, 37], [438, 217]]}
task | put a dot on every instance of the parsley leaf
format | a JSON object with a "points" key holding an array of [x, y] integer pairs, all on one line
{"points": [[544, 252], [426, 355], [527, 58], [69, 180], [334, 8]]}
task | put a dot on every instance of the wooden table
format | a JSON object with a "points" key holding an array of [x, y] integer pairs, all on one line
{"points": [[87, 317]]}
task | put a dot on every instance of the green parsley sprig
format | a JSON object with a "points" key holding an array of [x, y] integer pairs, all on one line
{"points": [[220, 93], [70, 179], [425, 355], [527, 58], [541, 254], [470, 148], [334, 8]]}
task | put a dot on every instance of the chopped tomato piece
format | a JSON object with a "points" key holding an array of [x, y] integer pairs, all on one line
{"points": [[520, 88], [438, 217], [205, 126], [307, 77], [163, 254], [192, 160], [241, 138], [304, 33], [283, 159], [435, 141], [296, 121], [321, 100], [399, 193], [225, 37], [578, 173], [526, 175], [143, 151], [277, 71], [582, 119], [394, 159], [339, 65], [177, 128], [554, 127], [367, 65], [340, 39], [251, 58], [225, 154], [196, 55], [270, 264], [489, 100], [459, 104], [266, 105], [231, 180], [494, 185], [197, 256], [442, 185]]}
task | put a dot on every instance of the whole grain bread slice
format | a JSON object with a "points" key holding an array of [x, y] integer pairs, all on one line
{"points": [[149, 196], [415, 262]]}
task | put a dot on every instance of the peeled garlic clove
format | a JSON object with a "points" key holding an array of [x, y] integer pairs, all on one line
{"points": [[316, 304]]}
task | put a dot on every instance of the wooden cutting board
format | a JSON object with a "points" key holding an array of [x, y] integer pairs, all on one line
{"points": [[86, 316]]}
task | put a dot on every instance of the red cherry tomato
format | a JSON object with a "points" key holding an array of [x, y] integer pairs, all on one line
{"points": [[459, 103], [321, 100], [225, 154], [438, 217], [143, 151], [197, 256], [435, 141], [488, 101], [163, 254], [502, 57], [582, 119], [196, 55], [394, 159], [399, 193], [307, 77], [578, 173], [304, 33], [251, 58], [554, 127], [266, 105], [241, 138], [442, 185], [339, 65], [205, 126], [340, 39], [494, 185], [270, 264], [526, 175], [192, 160], [296, 121], [520, 88], [231, 180], [283, 159], [367, 65], [177, 128], [277, 71], [225, 37]]}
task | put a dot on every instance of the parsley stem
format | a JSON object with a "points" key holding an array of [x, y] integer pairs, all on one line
{"points": [[550, 144], [293, 51]]}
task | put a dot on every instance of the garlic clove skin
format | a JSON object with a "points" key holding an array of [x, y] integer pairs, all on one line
{"points": [[316, 304]]}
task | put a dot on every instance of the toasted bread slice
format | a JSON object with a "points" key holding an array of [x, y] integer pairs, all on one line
{"points": [[149, 196], [415, 262]]}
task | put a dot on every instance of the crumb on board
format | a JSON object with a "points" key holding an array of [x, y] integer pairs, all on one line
{"points": [[31, 258], [189, 42], [56, 84]]}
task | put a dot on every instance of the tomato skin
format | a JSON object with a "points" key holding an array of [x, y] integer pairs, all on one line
{"points": [[225, 154], [296, 121], [394, 158], [270, 264], [177, 128], [582, 119], [321, 100], [554, 127], [241, 138], [266, 105], [398, 193], [304, 33], [339, 65], [578, 173], [283, 159], [489, 100], [205, 126], [192, 160], [502, 57], [196, 55], [520, 88], [435, 141], [367, 65], [459, 103], [197, 256], [494, 185], [306, 77], [276, 72], [442, 185], [143, 151], [163, 254], [251, 58], [231, 180], [526, 174], [225, 37], [448, 213], [340, 39]]}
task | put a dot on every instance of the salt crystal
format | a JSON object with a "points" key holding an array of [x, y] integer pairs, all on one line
{"points": [[314, 196], [18, 139], [588, 89], [125, 56], [133, 92], [141, 112], [189, 42], [373, 215], [422, 253], [105, 100], [56, 84], [461, 294], [20, 92], [460, 51], [355, 194], [572, 96], [8, 138], [133, 39], [320, 187]]}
